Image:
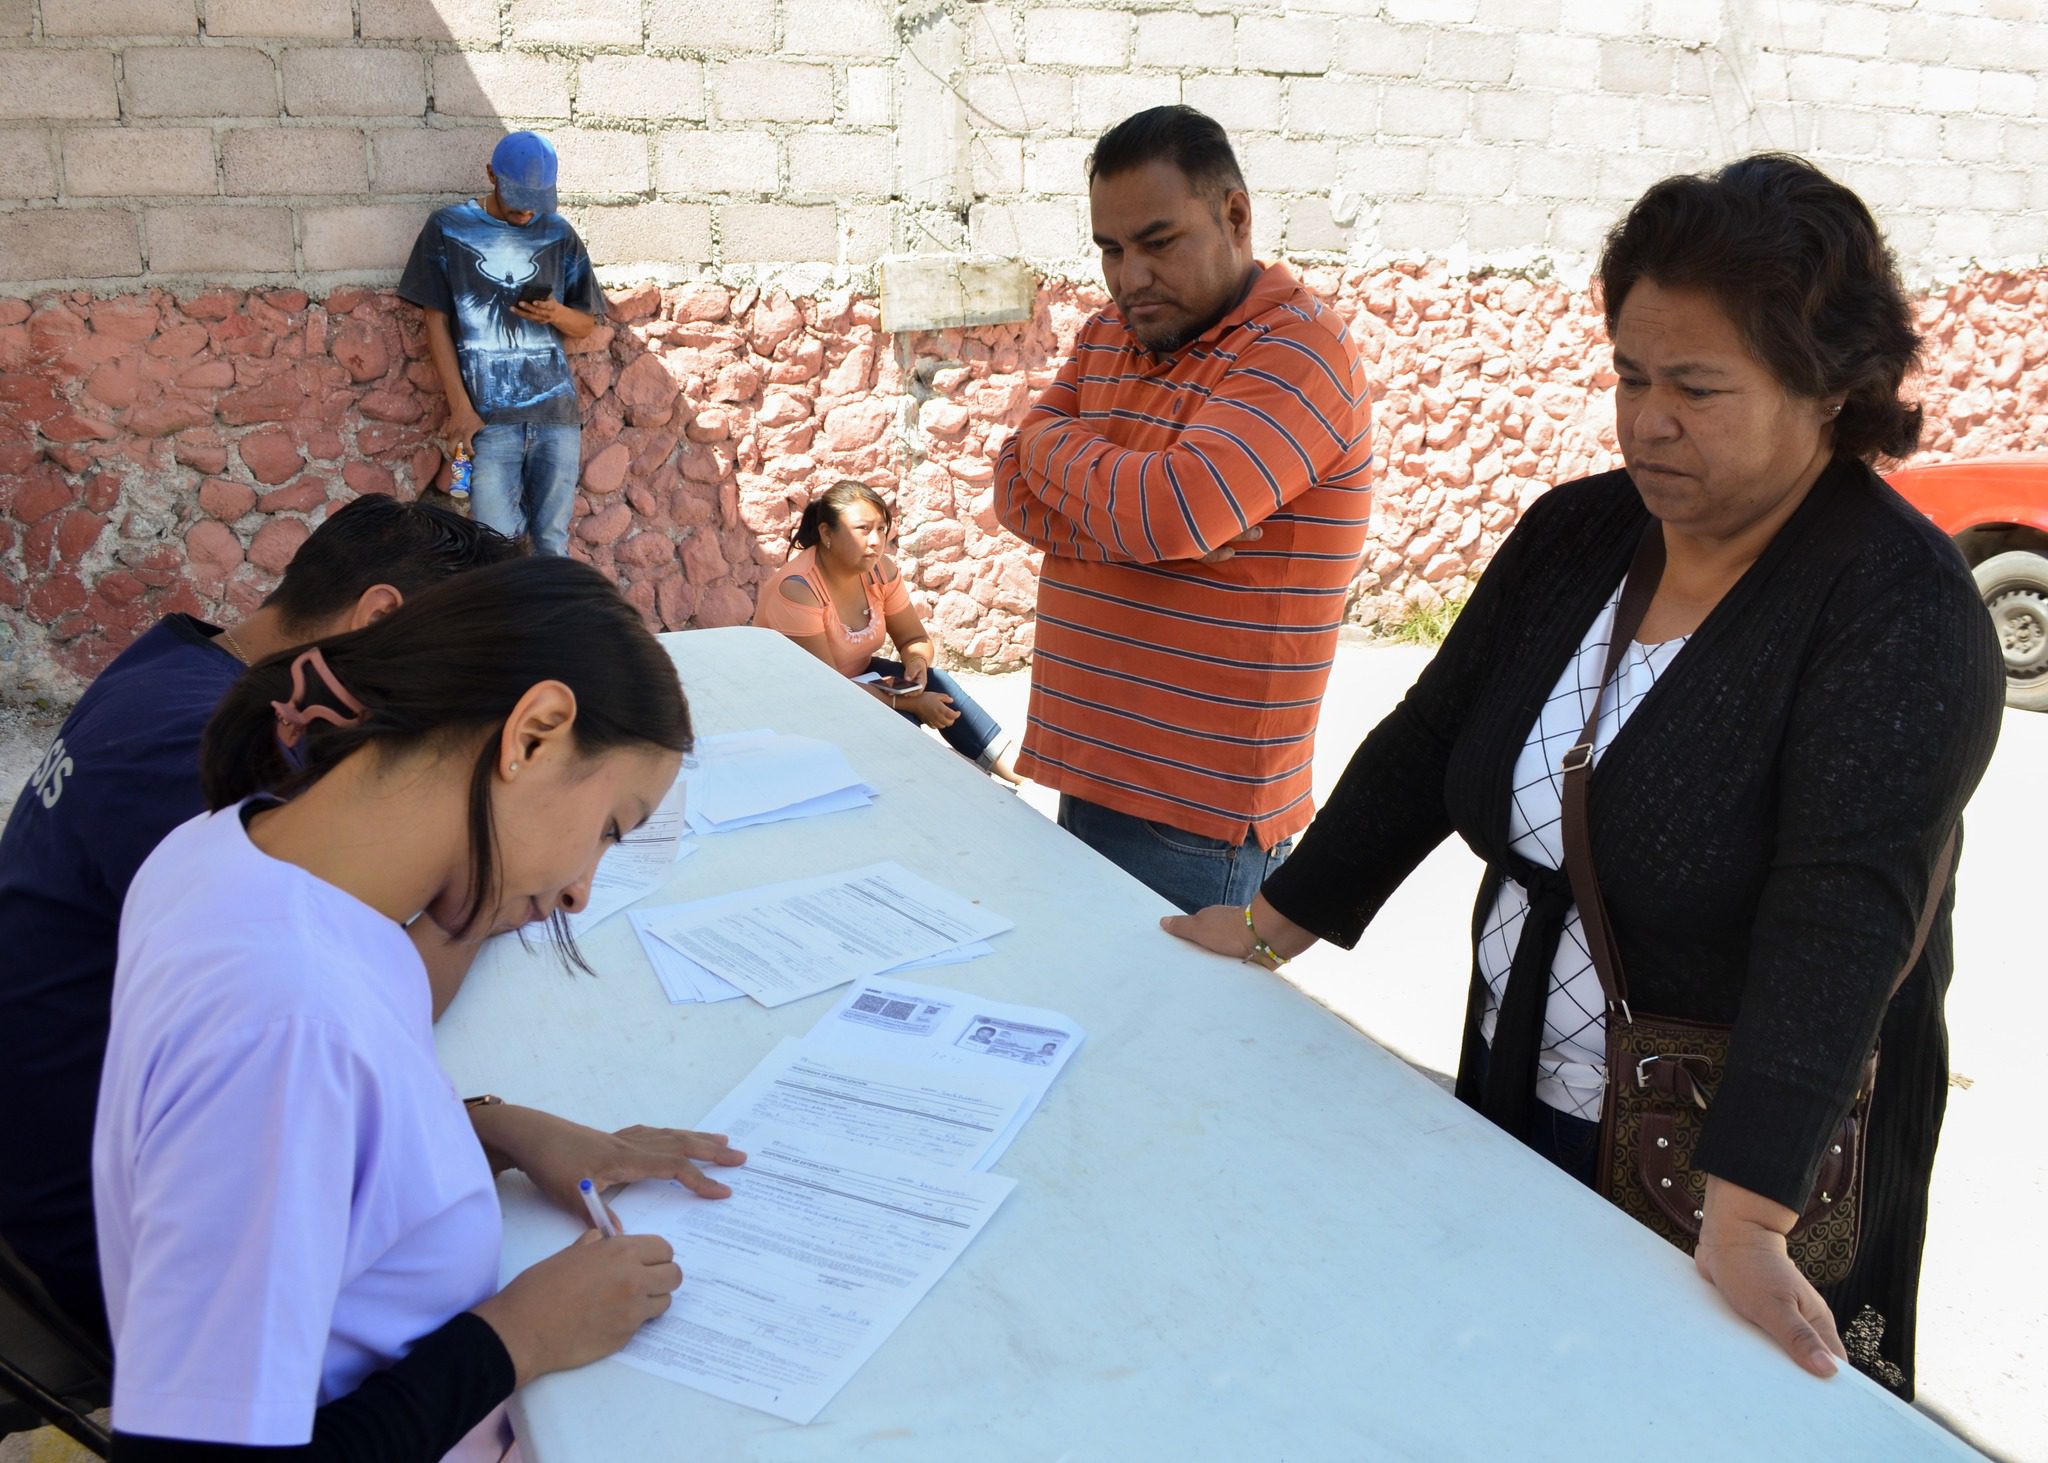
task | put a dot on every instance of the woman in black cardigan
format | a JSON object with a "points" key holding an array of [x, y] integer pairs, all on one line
{"points": [[1814, 693]]}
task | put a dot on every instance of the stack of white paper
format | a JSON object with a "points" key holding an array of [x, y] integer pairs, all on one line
{"points": [[683, 980], [637, 864], [743, 778], [956, 1117], [898, 1021], [867, 1148], [794, 1281], [921, 1070], [780, 942]]}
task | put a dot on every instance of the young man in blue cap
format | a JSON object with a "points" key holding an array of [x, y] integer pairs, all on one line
{"points": [[513, 278]]}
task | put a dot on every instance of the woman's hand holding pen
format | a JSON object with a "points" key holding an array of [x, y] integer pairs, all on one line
{"points": [[558, 1154], [582, 1303], [587, 1301]]}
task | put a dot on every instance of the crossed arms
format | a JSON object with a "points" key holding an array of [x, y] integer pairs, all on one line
{"points": [[1281, 421]]}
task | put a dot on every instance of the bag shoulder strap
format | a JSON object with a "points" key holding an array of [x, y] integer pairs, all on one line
{"points": [[1637, 591]]}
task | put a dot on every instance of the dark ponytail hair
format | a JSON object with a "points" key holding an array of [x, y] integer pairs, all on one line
{"points": [[830, 505], [450, 664]]}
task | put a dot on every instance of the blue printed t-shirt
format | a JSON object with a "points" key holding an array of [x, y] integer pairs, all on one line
{"points": [[123, 772], [470, 266]]}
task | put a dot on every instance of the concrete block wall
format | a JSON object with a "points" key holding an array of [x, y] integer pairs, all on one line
{"points": [[300, 142], [204, 203], [821, 134], [1512, 132]]}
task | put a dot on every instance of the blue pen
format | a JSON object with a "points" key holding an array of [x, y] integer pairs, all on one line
{"points": [[599, 1219]]}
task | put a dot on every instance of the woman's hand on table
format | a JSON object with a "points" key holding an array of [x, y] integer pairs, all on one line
{"points": [[1742, 1254], [582, 1303], [558, 1154], [1221, 929]]}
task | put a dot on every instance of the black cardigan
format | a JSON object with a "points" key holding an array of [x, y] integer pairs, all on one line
{"points": [[1765, 824]]}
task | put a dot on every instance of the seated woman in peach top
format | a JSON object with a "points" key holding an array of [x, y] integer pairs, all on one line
{"points": [[839, 594]]}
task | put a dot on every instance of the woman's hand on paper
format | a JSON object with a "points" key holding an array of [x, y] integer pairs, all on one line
{"points": [[558, 1154], [582, 1303], [1742, 1254], [659, 1153]]}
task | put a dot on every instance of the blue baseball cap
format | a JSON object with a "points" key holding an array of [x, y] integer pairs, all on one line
{"points": [[524, 165]]}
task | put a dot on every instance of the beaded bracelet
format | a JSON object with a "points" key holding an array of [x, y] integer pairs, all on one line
{"points": [[1259, 946]]}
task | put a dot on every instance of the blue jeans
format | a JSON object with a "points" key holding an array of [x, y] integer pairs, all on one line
{"points": [[1573, 1144], [525, 481], [1187, 869], [974, 734]]}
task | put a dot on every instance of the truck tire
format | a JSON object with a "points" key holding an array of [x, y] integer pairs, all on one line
{"points": [[2015, 590]]}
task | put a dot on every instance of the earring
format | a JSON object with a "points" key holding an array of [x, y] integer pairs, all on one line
{"points": [[513, 768]]}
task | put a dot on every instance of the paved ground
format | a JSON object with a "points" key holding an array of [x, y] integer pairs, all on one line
{"points": [[1984, 1305]]}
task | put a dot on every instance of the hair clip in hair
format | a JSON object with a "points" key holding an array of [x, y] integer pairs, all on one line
{"points": [[293, 718]]}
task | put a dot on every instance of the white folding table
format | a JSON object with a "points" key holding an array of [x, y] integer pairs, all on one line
{"points": [[1241, 1230]]}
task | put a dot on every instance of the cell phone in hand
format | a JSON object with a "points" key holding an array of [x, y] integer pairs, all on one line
{"points": [[897, 687], [534, 291]]}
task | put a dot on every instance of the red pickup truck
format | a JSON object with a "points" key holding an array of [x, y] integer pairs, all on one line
{"points": [[1996, 509]]}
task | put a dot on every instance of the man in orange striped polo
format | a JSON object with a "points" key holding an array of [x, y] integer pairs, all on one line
{"points": [[1198, 479]]}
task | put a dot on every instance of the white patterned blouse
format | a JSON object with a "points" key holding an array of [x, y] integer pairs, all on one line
{"points": [[1571, 1067]]}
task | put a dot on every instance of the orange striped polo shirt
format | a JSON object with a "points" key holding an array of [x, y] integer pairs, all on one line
{"points": [[1163, 687]]}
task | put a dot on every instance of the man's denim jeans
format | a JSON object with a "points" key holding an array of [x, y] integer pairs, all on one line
{"points": [[525, 481], [1187, 869]]}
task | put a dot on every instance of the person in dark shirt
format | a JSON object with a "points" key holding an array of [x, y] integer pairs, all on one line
{"points": [[1779, 762], [503, 282], [122, 773], [299, 1229]]}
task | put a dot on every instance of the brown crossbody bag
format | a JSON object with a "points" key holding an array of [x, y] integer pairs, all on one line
{"points": [[1663, 1071]]}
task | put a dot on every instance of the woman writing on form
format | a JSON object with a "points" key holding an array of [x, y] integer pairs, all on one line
{"points": [[297, 1222]]}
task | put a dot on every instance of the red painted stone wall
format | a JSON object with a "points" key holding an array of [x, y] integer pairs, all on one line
{"points": [[159, 453]]}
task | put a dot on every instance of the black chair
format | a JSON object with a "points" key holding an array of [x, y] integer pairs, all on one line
{"points": [[55, 1373]]}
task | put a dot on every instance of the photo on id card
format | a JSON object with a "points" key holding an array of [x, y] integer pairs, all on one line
{"points": [[993, 1036]]}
